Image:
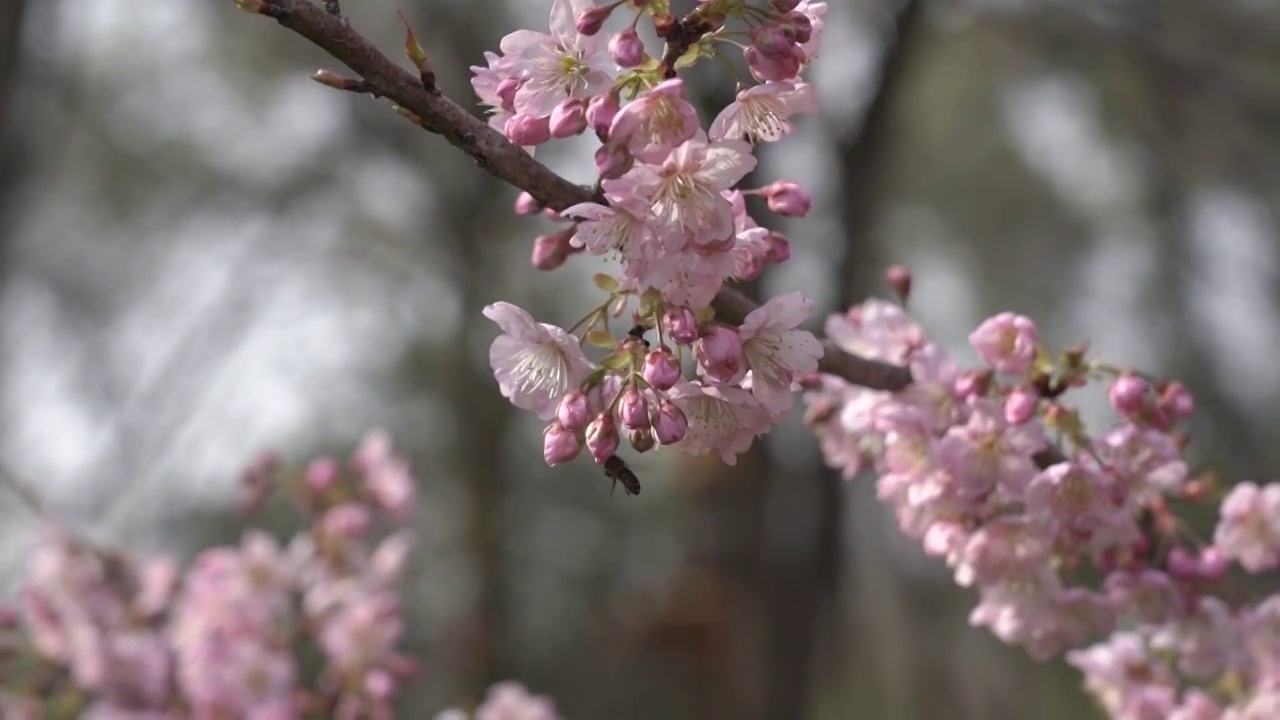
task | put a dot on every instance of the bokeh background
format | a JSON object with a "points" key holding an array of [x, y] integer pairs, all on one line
{"points": [[205, 255]]}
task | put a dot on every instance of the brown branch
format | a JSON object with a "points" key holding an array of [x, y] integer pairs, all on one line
{"points": [[495, 154]]}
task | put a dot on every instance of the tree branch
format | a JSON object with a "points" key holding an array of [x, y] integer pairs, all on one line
{"points": [[495, 154]]}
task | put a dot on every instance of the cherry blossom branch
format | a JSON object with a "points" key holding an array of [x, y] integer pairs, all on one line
{"points": [[495, 154]]}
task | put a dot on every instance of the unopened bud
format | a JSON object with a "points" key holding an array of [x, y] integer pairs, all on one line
{"points": [[776, 69], [899, 279], [771, 41], [613, 161], [798, 27], [527, 130], [321, 474], [626, 48], [1020, 406], [526, 205], [589, 21], [602, 437], [348, 521], [1213, 565], [601, 110], [506, 92], [336, 81], [633, 409], [574, 411], [1127, 394], [787, 198], [670, 423], [661, 369], [560, 445], [973, 383], [1176, 399], [569, 118], [550, 251], [1182, 565], [680, 324], [719, 352]]}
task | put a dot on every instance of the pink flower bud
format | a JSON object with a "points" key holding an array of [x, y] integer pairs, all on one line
{"points": [[899, 279], [602, 437], [778, 69], [1127, 394], [626, 48], [569, 118], [613, 161], [973, 383], [787, 198], [507, 93], [321, 474], [633, 409], [670, 424], [771, 41], [528, 130], [1006, 342], [779, 248], [798, 27], [1020, 406], [1176, 400], [601, 111], [661, 369], [380, 685], [784, 6], [641, 440], [719, 352], [526, 205], [680, 323], [560, 445], [589, 21], [1182, 565], [1214, 566], [550, 251], [574, 411], [348, 521]]}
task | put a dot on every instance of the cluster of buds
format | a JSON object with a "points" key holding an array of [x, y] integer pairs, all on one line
{"points": [[258, 630], [1065, 545]]}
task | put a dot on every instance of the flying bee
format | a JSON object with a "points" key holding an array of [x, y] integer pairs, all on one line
{"points": [[617, 471]]}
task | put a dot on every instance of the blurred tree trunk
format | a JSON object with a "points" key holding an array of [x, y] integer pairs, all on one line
{"points": [[12, 165]]}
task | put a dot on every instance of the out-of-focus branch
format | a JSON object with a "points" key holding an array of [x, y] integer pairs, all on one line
{"points": [[502, 159]]}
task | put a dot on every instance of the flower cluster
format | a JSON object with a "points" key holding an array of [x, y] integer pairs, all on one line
{"points": [[669, 214], [257, 630], [1064, 545], [508, 701]]}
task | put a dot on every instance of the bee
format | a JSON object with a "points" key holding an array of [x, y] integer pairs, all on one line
{"points": [[617, 471]]}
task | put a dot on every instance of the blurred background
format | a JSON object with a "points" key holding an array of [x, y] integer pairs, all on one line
{"points": [[205, 255]]}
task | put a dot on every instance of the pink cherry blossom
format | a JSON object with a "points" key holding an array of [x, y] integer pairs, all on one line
{"points": [[685, 188], [552, 68], [1006, 342], [987, 453], [723, 419], [535, 363], [657, 122], [1249, 527], [762, 113], [619, 230], [776, 351]]}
